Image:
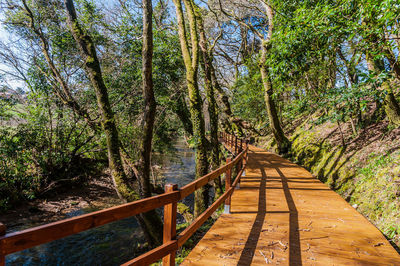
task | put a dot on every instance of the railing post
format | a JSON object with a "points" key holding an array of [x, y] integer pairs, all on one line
{"points": [[2, 233], [228, 175], [244, 160], [245, 154], [170, 225], [241, 146], [236, 145]]}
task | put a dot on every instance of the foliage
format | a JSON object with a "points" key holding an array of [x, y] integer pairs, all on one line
{"points": [[248, 95], [46, 144]]}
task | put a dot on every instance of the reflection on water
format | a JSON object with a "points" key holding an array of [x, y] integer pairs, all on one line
{"points": [[114, 243]]}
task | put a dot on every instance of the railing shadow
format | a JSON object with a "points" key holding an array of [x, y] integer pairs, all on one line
{"points": [[251, 244], [294, 235]]}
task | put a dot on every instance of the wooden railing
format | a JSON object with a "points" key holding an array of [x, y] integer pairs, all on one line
{"points": [[17, 241]]}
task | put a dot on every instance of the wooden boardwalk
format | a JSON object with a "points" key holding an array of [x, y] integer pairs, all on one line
{"points": [[281, 215]]}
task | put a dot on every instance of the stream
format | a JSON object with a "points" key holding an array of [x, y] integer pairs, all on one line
{"points": [[114, 243]]}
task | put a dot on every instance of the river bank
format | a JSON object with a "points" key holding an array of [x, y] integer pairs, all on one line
{"points": [[111, 244]]}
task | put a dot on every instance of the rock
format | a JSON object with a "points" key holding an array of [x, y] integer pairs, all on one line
{"points": [[355, 206]]}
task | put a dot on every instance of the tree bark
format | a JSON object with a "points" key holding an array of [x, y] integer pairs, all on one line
{"points": [[151, 219], [181, 110], [282, 141], [195, 102], [392, 106], [226, 110], [206, 63], [93, 70]]}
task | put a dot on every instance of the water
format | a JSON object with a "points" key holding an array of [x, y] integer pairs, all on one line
{"points": [[114, 243]]}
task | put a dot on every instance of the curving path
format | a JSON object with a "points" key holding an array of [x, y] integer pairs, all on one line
{"points": [[281, 215]]}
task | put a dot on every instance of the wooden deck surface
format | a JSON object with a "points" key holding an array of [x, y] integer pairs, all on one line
{"points": [[281, 215]]}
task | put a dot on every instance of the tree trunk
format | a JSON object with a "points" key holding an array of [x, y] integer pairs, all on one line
{"points": [[195, 101], [151, 219], [226, 110], [86, 46], [206, 63], [181, 110], [282, 141], [392, 107]]}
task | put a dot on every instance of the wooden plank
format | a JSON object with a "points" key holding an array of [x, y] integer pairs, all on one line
{"points": [[28, 238], [169, 233], [153, 255]]}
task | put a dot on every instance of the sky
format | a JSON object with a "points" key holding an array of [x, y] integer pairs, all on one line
{"points": [[5, 37]]}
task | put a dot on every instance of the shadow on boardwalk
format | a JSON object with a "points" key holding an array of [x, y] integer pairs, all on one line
{"points": [[294, 237]]}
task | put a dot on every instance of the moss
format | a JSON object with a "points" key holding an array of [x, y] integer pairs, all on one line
{"points": [[89, 60], [377, 193], [184, 210]]}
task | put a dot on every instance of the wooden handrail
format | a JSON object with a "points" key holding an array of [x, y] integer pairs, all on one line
{"points": [[17, 241], [35, 236]]}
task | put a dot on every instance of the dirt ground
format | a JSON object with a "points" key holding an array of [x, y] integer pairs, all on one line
{"points": [[97, 193]]}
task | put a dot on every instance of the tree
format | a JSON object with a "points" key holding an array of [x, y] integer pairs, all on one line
{"points": [[93, 69], [206, 63], [151, 219], [283, 144], [191, 61]]}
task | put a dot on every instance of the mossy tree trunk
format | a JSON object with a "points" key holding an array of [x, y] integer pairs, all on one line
{"points": [[181, 110], [392, 107], [282, 141], [151, 219], [93, 69], [206, 63], [191, 61], [226, 106]]}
